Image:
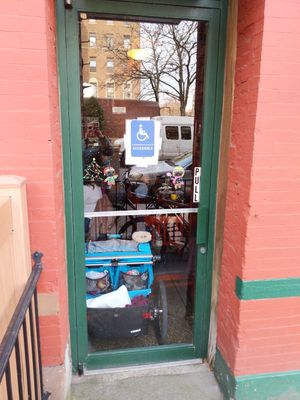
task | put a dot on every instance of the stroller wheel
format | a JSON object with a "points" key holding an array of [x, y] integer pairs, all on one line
{"points": [[161, 313]]}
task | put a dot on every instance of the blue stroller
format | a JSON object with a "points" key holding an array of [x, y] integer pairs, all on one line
{"points": [[112, 264]]}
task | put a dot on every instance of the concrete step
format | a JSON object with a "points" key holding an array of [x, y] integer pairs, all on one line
{"points": [[172, 381]]}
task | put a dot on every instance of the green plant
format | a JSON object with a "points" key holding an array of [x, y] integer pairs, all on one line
{"points": [[92, 108]]}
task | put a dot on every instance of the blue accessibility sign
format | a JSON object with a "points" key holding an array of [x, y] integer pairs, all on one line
{"points": [[142, 138], [142, 142]]}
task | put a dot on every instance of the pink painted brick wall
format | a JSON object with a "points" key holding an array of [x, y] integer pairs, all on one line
{"points": [[30, 145], [262, 230], [250, 28]]}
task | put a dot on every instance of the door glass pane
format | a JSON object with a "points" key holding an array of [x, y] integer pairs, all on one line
{"points": [[140, 222]]}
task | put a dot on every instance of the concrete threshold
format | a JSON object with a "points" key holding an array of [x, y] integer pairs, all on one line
{"points": [[144, 368], [187, 380]]}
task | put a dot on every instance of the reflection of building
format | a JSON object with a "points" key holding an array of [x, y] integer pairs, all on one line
{"points": [[104, 45], [171, 107], [117, 111]]}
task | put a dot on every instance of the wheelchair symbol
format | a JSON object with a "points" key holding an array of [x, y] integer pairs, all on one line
{"points": [[142, 135]]}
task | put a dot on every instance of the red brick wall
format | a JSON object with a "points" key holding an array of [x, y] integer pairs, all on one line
{"points": [[115, 123], [30, 146], [262, 234]]}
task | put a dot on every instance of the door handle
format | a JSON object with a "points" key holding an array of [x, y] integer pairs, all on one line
{"points": [[202, 229]]}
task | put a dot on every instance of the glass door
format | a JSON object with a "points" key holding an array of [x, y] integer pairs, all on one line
{"points": [[140, 225], [141, 286]]}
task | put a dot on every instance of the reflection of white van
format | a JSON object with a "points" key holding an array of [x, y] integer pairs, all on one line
{"points": [[177, 133]]}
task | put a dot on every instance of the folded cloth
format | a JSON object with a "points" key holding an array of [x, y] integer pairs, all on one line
{"points": [[116, 299], [111, 245]]}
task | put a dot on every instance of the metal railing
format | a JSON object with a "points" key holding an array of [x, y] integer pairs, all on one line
{"points": [[20, 356]]}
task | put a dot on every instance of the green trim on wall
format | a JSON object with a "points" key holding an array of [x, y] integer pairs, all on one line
{"points": [[271, 386], [267, 289]]}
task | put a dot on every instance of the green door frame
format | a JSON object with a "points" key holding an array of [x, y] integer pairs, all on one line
{"points": [[215, 13]]}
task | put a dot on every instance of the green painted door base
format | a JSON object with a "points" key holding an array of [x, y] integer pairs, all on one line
{"points": [[272, 386]]}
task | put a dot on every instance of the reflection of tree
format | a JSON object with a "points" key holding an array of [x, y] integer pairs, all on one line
{"points": [[169, 69], [181, 70]]}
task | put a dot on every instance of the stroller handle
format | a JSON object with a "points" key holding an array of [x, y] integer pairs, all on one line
{"points": [[116, 264]]}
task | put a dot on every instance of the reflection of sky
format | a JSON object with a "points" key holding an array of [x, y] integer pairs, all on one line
{"points": [[89, 90]]}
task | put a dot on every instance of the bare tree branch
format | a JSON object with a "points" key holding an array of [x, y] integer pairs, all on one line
{"points": [[170, 68]]}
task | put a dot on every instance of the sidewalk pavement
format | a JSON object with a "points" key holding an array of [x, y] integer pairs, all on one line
{"points": [[172, 381]]}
